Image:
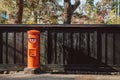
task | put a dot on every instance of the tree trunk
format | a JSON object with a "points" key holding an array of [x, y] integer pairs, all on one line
{"points": [[19, 11], [69, 9], [35, 16], [67, 12]]}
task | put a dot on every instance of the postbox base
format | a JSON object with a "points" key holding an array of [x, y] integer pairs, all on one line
{"points": [[32, 71]]}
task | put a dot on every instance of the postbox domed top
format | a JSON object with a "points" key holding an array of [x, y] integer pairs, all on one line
{"points": [[33, 32]]}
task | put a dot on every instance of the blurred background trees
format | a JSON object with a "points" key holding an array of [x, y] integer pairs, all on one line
{"points": [[51, 12], [7, 11]]}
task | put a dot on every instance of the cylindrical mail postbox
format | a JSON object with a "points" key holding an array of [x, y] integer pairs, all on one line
{"points": [[33, 59]]}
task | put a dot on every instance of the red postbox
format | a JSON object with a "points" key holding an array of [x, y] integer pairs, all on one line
{"points": [[33, 55]]}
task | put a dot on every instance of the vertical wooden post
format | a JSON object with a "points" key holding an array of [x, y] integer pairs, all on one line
{"points": [[1, 52]]}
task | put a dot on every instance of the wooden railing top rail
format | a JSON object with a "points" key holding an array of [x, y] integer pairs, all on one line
{"points": [[57, 26]]}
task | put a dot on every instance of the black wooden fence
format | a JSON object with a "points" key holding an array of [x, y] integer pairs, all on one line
{"points": [[63, 47]]}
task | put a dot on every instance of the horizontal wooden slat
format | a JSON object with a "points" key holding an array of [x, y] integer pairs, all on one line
{"points": [[100, 68], [20, 67], [11, 67]]}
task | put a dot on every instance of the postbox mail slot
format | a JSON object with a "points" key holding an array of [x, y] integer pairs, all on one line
{"points": [[32, 40], [32, 52]]}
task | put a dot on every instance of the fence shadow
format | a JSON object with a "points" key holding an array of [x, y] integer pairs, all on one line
{"points": [[80, 62]]}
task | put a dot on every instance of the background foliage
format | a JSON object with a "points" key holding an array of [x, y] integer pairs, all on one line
{"points": [[50, 12]]}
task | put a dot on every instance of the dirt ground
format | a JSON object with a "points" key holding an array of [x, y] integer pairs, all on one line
{"points": [[57, 77]]}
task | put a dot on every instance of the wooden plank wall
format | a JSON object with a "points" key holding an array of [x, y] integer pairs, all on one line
{"points": [[99, 47], [64, 46], [14, 48]]}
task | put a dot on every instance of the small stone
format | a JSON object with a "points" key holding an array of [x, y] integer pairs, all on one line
{"points": [[5, 72], [12, 72]]}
